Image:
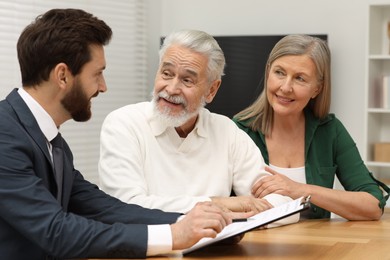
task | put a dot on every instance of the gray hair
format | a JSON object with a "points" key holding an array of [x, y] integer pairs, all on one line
{"points": [[200, 42], [316, 49]]}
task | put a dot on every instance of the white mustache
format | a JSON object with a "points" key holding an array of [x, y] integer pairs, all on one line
{"points": [[173, 99]]}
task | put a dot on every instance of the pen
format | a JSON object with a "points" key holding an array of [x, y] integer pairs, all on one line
{"points": [[239, 220]]}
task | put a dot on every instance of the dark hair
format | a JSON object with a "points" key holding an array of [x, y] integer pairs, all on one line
{"points": [[59, 35]]}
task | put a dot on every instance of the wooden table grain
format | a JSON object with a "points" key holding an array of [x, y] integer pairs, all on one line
{"points": [[309, 239]]}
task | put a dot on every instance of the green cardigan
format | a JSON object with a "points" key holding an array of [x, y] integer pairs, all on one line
{"points": [[329, 151]]}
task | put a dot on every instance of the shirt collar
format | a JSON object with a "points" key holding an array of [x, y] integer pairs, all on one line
{"points": [[45, 122], [202, 122]]}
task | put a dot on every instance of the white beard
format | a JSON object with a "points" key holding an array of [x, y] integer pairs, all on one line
{"points": [[164, 114]]}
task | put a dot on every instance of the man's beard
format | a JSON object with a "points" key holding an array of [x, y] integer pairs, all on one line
{"points": [[165, 113], [77, 103]]}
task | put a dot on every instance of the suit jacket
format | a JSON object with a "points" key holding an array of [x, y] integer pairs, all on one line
{"points": [[34, 225]]}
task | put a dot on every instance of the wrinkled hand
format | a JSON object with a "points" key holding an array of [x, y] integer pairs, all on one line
{"points": [[242, 204], [204, 220], [276, 183]]}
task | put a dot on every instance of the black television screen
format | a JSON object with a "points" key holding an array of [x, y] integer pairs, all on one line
{"points": [[244, 72]]}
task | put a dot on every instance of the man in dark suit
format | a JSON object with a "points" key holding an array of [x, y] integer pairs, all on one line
{"points": [[47, 209]]}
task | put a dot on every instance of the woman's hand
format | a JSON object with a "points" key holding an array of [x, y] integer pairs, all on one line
{"points": [[277, 183]]}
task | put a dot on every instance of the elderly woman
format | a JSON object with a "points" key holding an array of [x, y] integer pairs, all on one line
{"points": [[304, 145]]}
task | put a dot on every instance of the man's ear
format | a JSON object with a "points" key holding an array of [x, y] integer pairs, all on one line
{"points": [[61, 75], [213, 90]]}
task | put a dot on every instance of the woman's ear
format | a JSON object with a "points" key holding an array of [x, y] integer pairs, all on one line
{"points": [[213, 90], [317, 91]]}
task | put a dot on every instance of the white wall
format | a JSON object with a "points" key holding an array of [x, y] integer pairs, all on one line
{"points": [[345, 22]]}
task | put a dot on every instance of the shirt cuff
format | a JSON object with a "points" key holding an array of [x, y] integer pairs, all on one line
{"points": [[159, 240]]}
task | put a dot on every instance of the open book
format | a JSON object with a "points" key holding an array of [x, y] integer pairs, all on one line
{"points": [[256, 221]]}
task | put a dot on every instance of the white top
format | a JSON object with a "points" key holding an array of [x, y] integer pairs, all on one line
{"points": [[159, 236], [296, 174], [143, 161]]}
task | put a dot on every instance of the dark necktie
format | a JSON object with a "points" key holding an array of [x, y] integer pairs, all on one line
{"points": [[58, 161]]}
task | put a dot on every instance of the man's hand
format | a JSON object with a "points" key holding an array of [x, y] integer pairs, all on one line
{"points": [[242, 204], [205, 220]]}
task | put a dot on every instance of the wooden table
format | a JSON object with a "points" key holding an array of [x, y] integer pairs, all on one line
{"points": [[309, 239]]}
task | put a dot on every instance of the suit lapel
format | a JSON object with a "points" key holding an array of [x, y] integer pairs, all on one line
{"points": [[28, 121]]}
